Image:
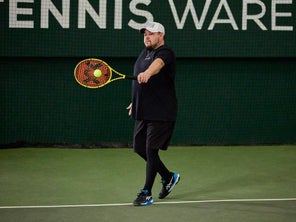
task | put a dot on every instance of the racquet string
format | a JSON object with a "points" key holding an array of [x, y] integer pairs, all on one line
{"points": [[85, 73]]}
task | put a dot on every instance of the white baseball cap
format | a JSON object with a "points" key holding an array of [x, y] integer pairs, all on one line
{"points": [[153, 27]]}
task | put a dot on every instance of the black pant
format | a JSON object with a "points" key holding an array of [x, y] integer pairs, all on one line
{"points": [[149, 138]]}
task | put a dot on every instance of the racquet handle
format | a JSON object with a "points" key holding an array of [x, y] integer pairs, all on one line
{"points": [[131, 77]]}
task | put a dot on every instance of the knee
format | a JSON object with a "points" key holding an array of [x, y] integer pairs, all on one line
{"points": [[152, 154], [141, 154]]}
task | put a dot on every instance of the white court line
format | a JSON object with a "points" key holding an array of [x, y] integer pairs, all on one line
{"points": [[162, 203]]}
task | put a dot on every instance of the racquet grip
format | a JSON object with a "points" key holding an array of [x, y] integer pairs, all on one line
{"points": [[131, 77]]}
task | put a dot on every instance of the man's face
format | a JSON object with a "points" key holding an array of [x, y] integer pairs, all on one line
{"points": [[153, 40]]}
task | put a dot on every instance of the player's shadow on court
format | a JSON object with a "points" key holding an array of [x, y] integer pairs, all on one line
{"points": [[226, 188]]}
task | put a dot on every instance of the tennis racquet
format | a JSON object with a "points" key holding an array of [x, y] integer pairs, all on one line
{"points": [[95, 73]]}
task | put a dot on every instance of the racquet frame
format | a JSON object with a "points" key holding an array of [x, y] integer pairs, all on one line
{"points": [[84, 73]]}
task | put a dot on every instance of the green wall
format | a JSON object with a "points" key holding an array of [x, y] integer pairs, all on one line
{"points": [[236, 63], [221, 101]]}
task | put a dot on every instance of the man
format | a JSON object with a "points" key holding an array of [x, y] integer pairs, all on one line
{"points": [[154, 108]]}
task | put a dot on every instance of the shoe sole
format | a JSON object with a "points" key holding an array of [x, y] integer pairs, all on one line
{"points": [[144, 204]]}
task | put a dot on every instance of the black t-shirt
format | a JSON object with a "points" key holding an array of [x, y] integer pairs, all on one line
{"points": [[155, 100]]}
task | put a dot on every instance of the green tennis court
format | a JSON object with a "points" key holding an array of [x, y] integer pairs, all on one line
{"points": [[240, 183]]}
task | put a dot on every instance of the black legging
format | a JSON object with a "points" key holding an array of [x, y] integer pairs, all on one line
{"points": [[154, 165]]}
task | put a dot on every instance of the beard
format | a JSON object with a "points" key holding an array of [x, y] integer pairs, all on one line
{"points": [[149, 48]]}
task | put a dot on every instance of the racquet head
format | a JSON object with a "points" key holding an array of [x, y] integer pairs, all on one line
{"points": [[93, 73]]}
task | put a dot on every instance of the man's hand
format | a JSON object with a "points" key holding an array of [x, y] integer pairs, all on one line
{"points": [[143, 77]]}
